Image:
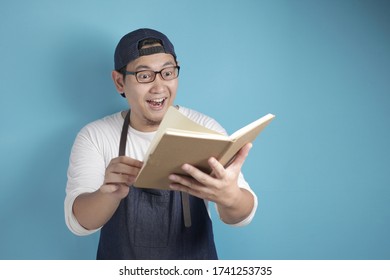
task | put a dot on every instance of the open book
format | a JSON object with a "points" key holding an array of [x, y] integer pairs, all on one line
{"points": [[180, 140]]}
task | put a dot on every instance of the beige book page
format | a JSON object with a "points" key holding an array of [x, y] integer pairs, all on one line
{"points": [[173, 119]]}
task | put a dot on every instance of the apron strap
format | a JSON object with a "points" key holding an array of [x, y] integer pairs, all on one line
{"points": [[125, 129], [185, 200]]}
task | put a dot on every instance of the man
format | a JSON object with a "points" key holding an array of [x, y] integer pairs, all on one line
{"points": [[138, 223]]}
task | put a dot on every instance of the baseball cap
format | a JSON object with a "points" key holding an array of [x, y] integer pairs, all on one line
{"points": [[128, 50]]}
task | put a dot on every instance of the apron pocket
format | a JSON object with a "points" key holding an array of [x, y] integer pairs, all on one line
{"points": [[152, 219]]}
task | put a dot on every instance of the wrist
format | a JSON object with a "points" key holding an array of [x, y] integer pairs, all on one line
{"points": [[114, 192], [238, 209], [233, 199]]}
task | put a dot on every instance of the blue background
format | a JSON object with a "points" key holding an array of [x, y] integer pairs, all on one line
{"points": [[321, 169]]}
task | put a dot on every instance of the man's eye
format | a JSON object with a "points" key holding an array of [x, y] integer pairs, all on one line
{"points": [[168, 73], [144, 75]]}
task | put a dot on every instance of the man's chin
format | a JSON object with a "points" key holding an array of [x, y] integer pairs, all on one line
{"points": [[154, 119], [155, 116], [153, 123]]}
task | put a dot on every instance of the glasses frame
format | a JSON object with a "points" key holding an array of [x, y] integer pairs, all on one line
{"points": [[177, 68]]}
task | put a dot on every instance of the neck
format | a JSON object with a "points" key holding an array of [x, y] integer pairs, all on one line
{"points": [[150, 125]]}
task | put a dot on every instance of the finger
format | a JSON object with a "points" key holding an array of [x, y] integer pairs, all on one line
{"points": [[188, 188], [241, 156], [122, 168], [127, 161], [184, 181], [217, 168], [119, 178], [179, 187], [186, 184], [201, 177], [110, 188]]}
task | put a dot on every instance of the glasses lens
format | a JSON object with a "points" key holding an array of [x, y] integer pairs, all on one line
{"points": [[145, 76], [169, 73]]}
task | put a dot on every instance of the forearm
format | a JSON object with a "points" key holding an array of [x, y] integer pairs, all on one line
{"points": [[239, 210], [93, 210]]}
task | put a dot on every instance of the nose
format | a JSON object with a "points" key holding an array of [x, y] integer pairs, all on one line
{"points": [[158, 85]]}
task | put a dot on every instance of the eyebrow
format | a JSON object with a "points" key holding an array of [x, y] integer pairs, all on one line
{"points": [[145, 67]]}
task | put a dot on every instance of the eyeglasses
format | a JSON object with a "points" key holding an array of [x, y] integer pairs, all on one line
{"points": [[148, 76]]}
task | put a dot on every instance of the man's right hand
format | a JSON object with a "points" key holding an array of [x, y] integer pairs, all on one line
{"points": [[120, 174], [93, 210]]}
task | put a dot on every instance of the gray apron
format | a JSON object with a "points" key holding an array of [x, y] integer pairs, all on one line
{"points": [[149, 224]]}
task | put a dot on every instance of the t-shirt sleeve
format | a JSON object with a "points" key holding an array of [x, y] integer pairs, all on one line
{"points": [[85, 174]]}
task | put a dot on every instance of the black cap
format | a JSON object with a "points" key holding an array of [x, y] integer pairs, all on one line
{"points": [[128, 50]]}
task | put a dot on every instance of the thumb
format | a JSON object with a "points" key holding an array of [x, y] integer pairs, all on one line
{"points": [[109, 188], [241, 156]]}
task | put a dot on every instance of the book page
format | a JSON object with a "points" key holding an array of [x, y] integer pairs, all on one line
{"points": [[245, 135], [195, 134], [266, 119], [174, 119]]}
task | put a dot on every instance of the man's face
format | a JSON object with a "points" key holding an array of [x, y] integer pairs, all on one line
{"points": [[149, 102]]}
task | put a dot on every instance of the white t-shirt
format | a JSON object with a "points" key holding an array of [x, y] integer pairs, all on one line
{"points": [[98, 142]]}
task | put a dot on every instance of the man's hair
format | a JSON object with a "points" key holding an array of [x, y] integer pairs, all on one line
{"points": [[148, 42]]}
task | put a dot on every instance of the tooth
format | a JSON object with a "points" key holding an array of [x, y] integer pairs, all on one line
{"points": [[157, 100]]}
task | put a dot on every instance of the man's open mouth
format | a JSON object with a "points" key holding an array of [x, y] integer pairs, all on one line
{"points": [[157, 103]]}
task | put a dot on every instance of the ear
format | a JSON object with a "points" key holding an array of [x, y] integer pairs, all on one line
{"points": [[118, 81]]}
